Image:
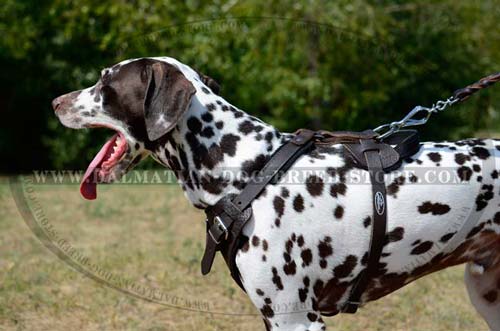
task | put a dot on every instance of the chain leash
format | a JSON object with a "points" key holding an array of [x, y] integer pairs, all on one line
{"points": [[460, 95]]}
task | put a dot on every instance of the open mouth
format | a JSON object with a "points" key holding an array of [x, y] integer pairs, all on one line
{"points": [[102, 165]]}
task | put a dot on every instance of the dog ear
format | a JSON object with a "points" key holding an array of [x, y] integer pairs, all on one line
{"points": [[168, 97], [210, 82]]}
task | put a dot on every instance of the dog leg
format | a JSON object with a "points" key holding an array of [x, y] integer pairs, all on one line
{"points": [[483, 285], [295, 321]]}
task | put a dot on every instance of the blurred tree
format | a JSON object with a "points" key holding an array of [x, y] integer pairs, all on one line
{"points": [[335, 65]]}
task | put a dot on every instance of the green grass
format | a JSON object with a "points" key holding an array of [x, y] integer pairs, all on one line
{"points": [[150, 235]]}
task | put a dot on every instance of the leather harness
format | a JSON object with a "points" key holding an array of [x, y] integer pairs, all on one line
{"points": [[226, 219]]}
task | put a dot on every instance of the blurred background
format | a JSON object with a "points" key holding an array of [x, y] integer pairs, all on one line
{"points": [[318, 64], [335, 65]]}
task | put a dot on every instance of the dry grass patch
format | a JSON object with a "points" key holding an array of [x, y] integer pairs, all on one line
{"points": [[150, 235]]}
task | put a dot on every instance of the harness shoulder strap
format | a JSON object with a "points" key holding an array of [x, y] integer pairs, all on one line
{"points": [[226, 219]]}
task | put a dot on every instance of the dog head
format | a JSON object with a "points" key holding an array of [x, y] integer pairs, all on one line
{"points": [[141, 100]]}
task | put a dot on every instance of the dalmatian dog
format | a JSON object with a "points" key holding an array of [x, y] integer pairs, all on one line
{"points": [[309, 235]]}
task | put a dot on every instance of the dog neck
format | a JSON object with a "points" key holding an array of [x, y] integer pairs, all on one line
{"points": [[215, 148]]}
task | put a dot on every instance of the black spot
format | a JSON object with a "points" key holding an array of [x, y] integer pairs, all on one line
{"points": [[481, 152], [338, 212], [267, 311], [298, 203], [434, 208], [367, 221], [264, 245], [306, 256], [395, 235], [344, 270], [491, 296], [246, 244], [255, 241], [269, 136], [246, 127], [494, 174], [475, 230], [483, 197], [194, 125], [314, 185], [259, 292], [496, 218], [285, 193], [476, 167], [251, 167], [393, 188], [290, 268], [183, 157], [219, 125], [207, 117], [434, 157], [213, 185], [228, 144], [201, 155], [288, 246], [312, 317], [205, 90], [279, 205], [464, 173], [447, 237], [207, 132], [338, 189], [461, 158], [174, 163], [303, 294], [210, 107], [300, 240], [318, 287], [277, 279], [422, 248]]}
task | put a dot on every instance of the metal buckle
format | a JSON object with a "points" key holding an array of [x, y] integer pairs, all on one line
{"points": [[217, 230]]}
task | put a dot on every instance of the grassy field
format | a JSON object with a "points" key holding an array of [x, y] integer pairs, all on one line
{"points": [[150, 235]]}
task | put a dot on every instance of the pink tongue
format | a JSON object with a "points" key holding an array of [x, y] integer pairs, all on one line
{"points": [[88, 186]]}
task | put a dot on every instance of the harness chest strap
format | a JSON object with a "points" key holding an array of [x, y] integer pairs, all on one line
{"points": [[226, 219]]}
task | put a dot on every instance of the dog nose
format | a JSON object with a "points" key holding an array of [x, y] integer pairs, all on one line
{"points": [[57, 102]]}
